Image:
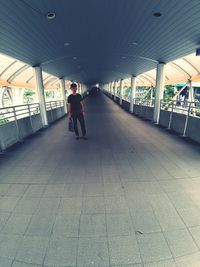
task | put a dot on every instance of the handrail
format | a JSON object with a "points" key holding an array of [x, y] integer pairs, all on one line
{"points": [[144, 102], [183, 107], [12, 113], [54, 104]]}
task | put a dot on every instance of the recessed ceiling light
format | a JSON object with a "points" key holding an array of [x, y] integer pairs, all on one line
{"points": [[66, 44], [134, 43], [157, 14], [74, 58], [123, 57], [51, 15]]}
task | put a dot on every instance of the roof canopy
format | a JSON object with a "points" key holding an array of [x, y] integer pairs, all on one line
{"points": [[17, 73], [98, 41]]}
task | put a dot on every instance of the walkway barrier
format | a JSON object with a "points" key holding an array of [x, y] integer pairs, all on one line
{"points": [[55, 110], [18, 122], [143, 108], [182, 117]]}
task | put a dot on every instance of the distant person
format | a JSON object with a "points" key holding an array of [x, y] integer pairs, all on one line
{"points": [[75, 110]]}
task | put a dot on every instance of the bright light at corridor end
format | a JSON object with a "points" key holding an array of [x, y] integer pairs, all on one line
{"points": [[97, 85]]}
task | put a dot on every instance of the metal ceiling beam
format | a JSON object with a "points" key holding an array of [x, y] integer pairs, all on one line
{"points": [[17, 73], [180, 69], [147, 79], [7, 68], [50, 80], [186, 60], [29, 79]]}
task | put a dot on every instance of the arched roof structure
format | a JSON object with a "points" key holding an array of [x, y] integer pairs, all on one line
{"points": [[16, 73]]}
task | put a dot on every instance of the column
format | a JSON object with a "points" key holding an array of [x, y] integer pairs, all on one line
{"points": [[121, 91], [133, 92], [115, 90], [159, 91], [40, 92], [109, 89], [63, 95], [191, 92], [81, 89]]}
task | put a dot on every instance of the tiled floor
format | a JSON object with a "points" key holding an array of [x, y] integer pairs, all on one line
{"points": [[129, 196]]}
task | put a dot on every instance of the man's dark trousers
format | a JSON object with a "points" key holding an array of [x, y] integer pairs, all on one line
{"points": [[80, 117]]}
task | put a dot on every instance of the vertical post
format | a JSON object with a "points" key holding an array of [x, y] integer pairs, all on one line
{"points": [[159, 91], [81, 89], [171, 114], [191, 92], [107, 89], [111, 89], [40, 93], [115, 90], [133, 92], [30, 117], [191, 98], [121, 91], [186, 120], [16, 122], [62, 87], [110, 84]]}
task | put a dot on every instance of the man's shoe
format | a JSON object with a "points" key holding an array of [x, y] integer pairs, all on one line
{"points": [[84, 137], [77, 137]]}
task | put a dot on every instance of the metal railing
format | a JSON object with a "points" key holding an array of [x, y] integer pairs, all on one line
{"points": [[54, 104], [189, 109], [144, 102], [14, 113], [183, 107]]}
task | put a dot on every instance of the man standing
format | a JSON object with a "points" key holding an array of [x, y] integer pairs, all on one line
{"points": [[75, 110]]}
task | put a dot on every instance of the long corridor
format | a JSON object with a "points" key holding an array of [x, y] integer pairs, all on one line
{"points": [[129, 196]]}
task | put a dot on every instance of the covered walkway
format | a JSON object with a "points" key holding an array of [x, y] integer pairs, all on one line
{"points": [[128, 196]]}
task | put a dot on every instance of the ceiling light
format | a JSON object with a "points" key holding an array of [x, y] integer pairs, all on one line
{"points": [[66, 44], [134, 43], [74, 58], [157, 14], [51, 15], [123, 57]]}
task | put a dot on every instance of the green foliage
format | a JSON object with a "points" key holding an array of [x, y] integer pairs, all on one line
{"points": [[3, 121], [169, 92], [127, 91], [28, 95]]}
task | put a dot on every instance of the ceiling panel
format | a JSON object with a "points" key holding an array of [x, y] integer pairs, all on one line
{"points": [[100, 33]]}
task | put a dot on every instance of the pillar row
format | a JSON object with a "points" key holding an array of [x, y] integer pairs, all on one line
{"points": [[159, 91], [40, 92]]}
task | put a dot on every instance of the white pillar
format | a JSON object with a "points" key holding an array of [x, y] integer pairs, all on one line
{"points": [[40, 92], [121, 91], [81, 89], [63, 95], [159, 91], [133, 92], [191, 92], [115, 90], [110, 89]]}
